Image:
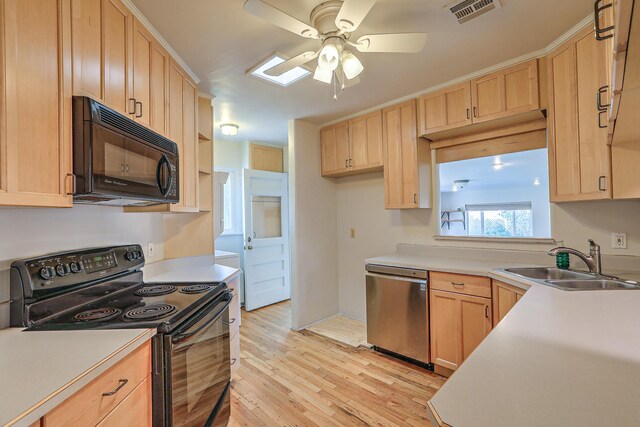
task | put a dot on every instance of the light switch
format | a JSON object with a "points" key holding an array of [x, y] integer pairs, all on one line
{"points": [[151, 250], [352, 233]]}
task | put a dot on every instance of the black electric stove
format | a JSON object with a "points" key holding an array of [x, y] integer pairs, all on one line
{"points": [[103, 288]]}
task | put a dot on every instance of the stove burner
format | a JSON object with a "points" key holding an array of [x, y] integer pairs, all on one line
{"points": [[196, 289], [153, 291], [97, 314], [153, 311]]}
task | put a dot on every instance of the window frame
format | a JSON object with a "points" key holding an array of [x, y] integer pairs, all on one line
{"points": [[235, 184]]}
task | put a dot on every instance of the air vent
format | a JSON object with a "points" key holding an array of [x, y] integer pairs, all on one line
{"points": [[466, 10]]}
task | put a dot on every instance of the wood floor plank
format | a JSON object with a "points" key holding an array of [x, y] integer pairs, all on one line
{"points": [[290, 378]]}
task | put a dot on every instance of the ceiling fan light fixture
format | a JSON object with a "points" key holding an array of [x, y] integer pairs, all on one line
{"points": [[329, 57], [229, 129], [323, 75], [351, 65]]}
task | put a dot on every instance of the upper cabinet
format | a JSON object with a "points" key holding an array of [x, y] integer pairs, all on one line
{"points": [[117, 23], [407, 162], [579, 156], [506, 92], [499, 95], [35, 132], [445, 109], [353, 146]]}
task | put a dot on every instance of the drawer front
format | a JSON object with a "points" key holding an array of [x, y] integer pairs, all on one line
{"points": [[135, 409], [89, 405], [235, 353], [234, 313], [461, 284]]}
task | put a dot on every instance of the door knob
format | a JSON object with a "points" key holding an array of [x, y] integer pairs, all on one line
{"points": [[249, 247]]}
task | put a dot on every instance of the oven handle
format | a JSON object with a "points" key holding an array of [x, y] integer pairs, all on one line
{"points": [[204, 321]]}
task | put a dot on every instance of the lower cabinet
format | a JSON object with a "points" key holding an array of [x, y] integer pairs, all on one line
{"points": [[505, 296], [459, 322], [234, 324], [119, 397]]}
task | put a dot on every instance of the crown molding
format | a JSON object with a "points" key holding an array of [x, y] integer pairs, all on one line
{"points": [[136, 12], [526, 57]]}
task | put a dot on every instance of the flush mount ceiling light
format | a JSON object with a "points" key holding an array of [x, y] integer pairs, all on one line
{"points": [[286, 78], [497, 164], [536, 181], [229, 129], [333, 22]]}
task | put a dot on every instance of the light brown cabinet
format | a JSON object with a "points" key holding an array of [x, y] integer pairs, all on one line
{"points": [[507, 92], [445, 109], [505, 296], [35, 129], [352, 147], [579, 154], [407, 162], [499, 95], [95, 404], [117, 23], [459, 323]]}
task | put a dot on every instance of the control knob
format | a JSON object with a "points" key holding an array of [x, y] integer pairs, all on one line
{"points": [[130, 256], [63, 269], [76, 267], [47, 273]]}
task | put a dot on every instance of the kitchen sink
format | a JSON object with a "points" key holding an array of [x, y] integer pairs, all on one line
{"points": [[592, 284], [545, 273]]}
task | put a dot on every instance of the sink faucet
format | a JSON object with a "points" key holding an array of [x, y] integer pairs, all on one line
{"points": [[593, 260]]}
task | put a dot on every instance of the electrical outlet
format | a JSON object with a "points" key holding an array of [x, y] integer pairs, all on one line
{"points": [[151, 250], [352, 233], [619, 240]]}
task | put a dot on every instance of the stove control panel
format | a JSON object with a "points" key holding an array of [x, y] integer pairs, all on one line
{"points": [[49, 273]]}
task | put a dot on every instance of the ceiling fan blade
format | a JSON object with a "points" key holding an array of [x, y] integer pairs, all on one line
{"points": [[391, 43], [352, 13], [292, 63], [277, 17]]}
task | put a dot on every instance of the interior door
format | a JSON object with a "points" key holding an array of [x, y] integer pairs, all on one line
{"points": [[266, 237]]}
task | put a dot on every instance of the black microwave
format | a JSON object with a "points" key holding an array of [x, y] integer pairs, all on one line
{"points": [[119, 162]]}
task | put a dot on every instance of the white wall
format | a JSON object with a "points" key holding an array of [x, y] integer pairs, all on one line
{"points": [[360, 204], [33, 232], [537, 195], [314, 246]]}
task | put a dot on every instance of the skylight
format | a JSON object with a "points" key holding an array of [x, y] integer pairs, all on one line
{"points": [[285, 79]]}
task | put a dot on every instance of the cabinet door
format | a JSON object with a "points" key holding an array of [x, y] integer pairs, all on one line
{"points": [[159, 97], [35, 131], [505, 296], [176, 125], [445, 329], [401, 156], [334, 141], [510, 91], [579, 157], [365, 139], [475, 322], [116, 37], [446, 109], [141, 78], [86, 38], [190, 143]]}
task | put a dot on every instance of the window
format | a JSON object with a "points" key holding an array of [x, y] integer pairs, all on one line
{"points": [[227, 215], [500, 220], [232, 195]]}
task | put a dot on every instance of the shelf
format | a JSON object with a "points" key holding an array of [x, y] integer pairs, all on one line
{"points": [[444, 212], [204, 172], [448, 219], [453, 220], [203, 138]]}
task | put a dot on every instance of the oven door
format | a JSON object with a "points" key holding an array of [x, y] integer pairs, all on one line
{"points": [[198, 368], [131, 169]]}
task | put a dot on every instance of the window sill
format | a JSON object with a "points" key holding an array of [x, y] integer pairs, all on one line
{"points": [[522, 240]]}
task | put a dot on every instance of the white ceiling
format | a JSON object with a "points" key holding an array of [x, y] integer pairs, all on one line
{"points": [[220, 42], [519, 170]]}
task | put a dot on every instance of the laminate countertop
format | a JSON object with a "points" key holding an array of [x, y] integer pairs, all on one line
{"points": [[558, 358], [39, 370], [188, 269]]}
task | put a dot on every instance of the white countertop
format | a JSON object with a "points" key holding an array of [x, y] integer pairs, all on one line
{"points": [[39, 370], [189, 269], [557, 359]]}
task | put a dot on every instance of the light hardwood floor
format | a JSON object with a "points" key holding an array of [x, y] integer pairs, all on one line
{"points": [[342, 329], [289, 378]]}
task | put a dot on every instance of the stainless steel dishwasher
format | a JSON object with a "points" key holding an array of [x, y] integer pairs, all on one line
{"points": [[397, 311]]}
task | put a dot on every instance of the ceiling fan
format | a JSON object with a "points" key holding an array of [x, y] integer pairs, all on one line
{"points": [[333, 23]]}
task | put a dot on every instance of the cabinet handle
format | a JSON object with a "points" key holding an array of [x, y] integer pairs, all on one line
{"points": [[415, 198], [601, 180], [122, 167], [117, 389], [233, 361], [460, 284], [229, 322], [468, 113], [475, 111], [350, 163], [346, 163], [486, 311], [600, 125], [138, 115], [134, 106], [599, 104], [74, 185], [598, 8]]}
